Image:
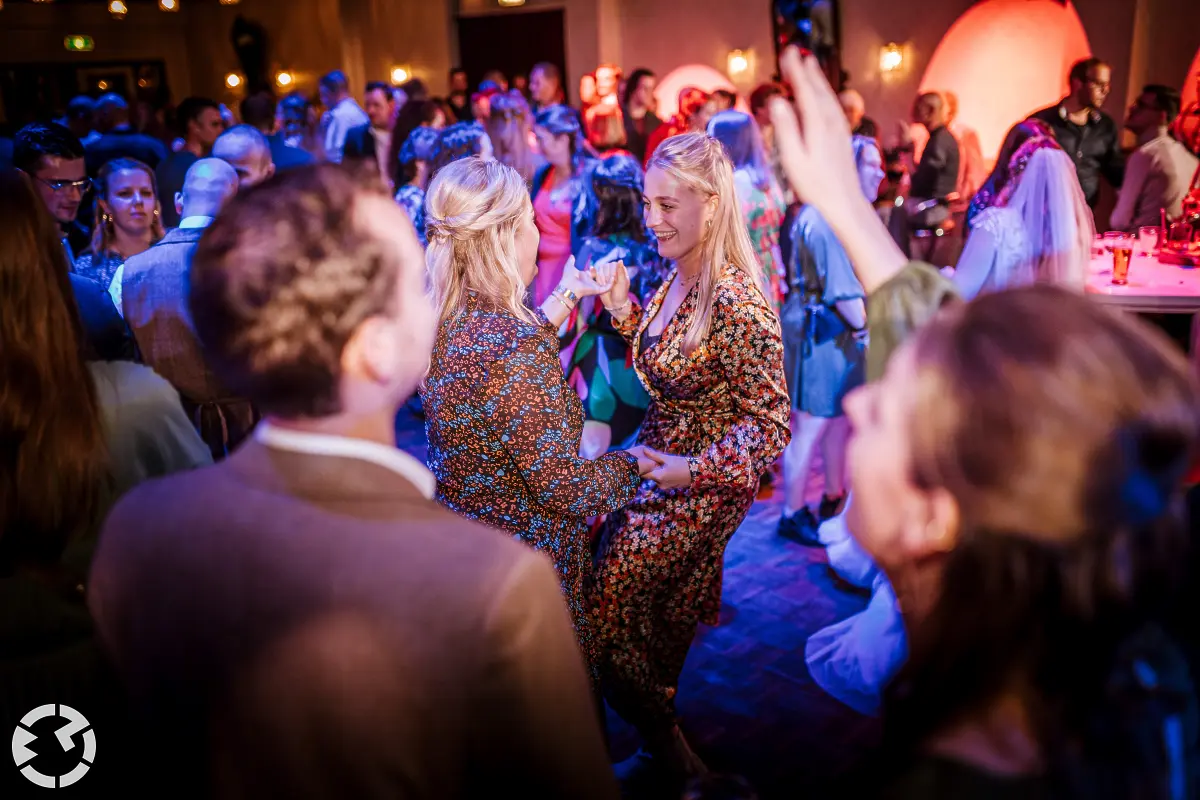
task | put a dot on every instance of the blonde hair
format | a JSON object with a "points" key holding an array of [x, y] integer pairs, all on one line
{"points": [[472, 211], [699, 162], [103, 234]]}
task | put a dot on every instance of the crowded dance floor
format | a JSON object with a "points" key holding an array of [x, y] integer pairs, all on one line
{"points": [[547, 433]]}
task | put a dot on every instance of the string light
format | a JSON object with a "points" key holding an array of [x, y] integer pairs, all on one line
{"points": [[168, 5], [118, 9]]}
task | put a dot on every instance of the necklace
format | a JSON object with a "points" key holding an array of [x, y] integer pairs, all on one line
{"points": [[689, 282]]}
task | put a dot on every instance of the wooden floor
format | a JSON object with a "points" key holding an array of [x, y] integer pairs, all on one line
{"points": [[746, 699]]}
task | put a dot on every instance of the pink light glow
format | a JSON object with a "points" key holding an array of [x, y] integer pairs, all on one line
{"points": [[1188, 127], [1005, 59], [698, 75]]}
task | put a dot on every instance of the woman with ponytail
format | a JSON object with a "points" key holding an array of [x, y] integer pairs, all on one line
{"points": [[708, 348], [504, 426]]}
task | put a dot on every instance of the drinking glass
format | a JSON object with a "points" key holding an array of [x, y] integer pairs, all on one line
{"points": [[1122, 250], [1110, 237], [1148, 240]]}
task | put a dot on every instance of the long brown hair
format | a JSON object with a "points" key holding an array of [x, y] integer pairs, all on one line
{"points": [[1063, 432], [53, 459]]}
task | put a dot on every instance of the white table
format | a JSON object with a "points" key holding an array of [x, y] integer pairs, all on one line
{"points": [[1153, 287]]}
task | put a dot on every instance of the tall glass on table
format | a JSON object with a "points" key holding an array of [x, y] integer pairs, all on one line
{"points": [[1122, 252]]}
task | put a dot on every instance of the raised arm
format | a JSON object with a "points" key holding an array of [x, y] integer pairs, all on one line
{"points": [[814, 145]]}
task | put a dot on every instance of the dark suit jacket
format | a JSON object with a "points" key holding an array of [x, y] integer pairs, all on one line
{"points": [[287, 157], [105, 331], [339, 635], [124, 144], [154, 293], [360, 143]]}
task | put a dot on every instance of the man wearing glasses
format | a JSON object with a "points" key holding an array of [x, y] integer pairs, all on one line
{"points": [[53, 159], [1090, 137]]}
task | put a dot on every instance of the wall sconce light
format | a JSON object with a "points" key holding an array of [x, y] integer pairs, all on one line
{"points": [[739, 63], [284, 79], [511, 3], [233, 80], [102, 85], [230, 2], [891, 57], [400, 75], [118, 9], [168, 5]]}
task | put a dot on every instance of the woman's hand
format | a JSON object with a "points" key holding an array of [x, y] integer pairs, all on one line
{"points": [[583, 282], [814, 144], [672, 472], [616, 298], [646, 464], [814, 138]]}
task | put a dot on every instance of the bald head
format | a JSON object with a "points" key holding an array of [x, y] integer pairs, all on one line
{"points": [[853, 106], [245, 149], [930, 110], [207, 186]]}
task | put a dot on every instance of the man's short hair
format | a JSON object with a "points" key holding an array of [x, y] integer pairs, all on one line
{"points": [[415, 89], [190, 109], [335, 82], [259, 110], [280, 282], [1080, 69], [1166, 99], [80, 107], [378, 86], [244, 138], [39, 139]]}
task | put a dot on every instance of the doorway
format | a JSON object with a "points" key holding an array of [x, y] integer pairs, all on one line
{"points": [[512, 43]]}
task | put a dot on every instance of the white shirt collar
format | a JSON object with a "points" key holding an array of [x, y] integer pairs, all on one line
{"points": [[391, 458], [195, 221]]}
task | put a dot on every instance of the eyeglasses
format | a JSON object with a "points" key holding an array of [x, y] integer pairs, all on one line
{"points": [[83, 185], [1102, 86]]}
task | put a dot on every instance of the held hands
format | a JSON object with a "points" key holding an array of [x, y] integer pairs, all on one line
{"points": [[584, 282], [813, 138], [646, 464], [669, 472], [616, 297]]}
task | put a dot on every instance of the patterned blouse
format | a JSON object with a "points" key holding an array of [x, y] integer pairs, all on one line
{"points": [[504, 431], [100, 269], [412, 199], [726, 408]]}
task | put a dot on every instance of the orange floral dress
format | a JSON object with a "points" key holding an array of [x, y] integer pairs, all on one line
{"points": [[726, 409]]}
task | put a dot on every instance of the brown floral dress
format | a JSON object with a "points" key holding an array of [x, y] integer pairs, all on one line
{"points": [[504, 429], [726, 408]]}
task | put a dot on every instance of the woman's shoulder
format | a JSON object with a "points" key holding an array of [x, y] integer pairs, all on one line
{"points": [[489, 334], [1000, 221], [738, 293]]}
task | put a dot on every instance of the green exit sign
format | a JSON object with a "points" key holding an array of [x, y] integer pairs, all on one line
{"points": [[79, 44]]}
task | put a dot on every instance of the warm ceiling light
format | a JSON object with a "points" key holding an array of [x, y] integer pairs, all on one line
{"points": [[168, 5], [891, 57], [118, 9], [43, 1], [102, 85], [399, 75], [284, 78], [230, 2], [737, 63], [233, 80], [511, 3]]}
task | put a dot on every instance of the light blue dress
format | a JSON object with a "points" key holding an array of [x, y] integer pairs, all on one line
{"points": [[825, 360]]}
